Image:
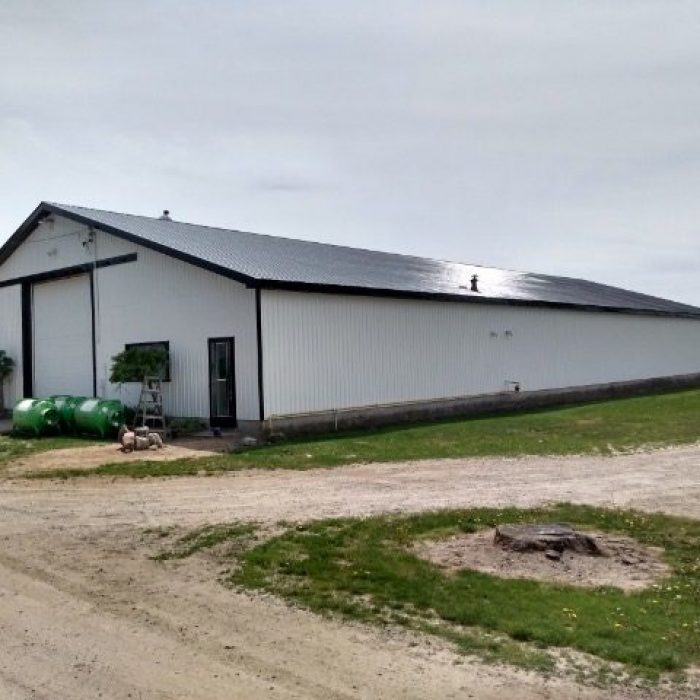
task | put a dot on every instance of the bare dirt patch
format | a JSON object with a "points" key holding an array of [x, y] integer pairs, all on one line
{"points": [[627, 565], [92, 456]]}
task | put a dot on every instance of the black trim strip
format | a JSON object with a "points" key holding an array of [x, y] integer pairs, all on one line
{"points": [[94, 343], [27, 353], [258, 327], [309, 287], [70, 271]]}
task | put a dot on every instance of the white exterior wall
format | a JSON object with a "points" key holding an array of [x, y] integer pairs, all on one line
{"points": [[159, 298], [53, 246], [156, 298], [324, 352], [11, 339]]}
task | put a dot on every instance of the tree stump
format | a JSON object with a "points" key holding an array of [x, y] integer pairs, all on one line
{"points": [[540, 537]]}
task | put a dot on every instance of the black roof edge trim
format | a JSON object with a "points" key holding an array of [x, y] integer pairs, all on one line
{"points": [[25, 228], [436, 296], [44, 209]]}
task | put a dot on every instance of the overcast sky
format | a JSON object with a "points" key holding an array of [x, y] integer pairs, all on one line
{"points": [[547, 136]]}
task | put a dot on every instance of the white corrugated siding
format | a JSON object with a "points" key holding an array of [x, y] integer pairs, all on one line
{"points": [[159, 298], [59, 244], [11, 339], [324, 352], [62, 341], [154, 299]]}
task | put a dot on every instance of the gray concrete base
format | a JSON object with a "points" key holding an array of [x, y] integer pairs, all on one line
{"points": [[506, 402]]}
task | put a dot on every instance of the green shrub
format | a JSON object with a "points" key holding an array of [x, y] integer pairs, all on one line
{"points": [[133, 364]]}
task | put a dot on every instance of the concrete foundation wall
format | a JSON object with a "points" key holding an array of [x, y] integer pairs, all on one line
{"points": [[505, 402]]}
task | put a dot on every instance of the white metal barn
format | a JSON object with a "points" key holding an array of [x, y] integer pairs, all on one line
{"points": [[299, 333]]}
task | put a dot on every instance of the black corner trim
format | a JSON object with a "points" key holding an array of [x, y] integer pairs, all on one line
{"points": [[27, 353], [258, 327], [94, 343], [70, 271]]}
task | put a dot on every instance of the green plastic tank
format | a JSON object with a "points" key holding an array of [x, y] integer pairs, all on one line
{"points": [[35, 416], [99, 417], [66, 405]]}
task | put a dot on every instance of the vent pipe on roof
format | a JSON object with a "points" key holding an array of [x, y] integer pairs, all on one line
{"points": [[475, 283], [165, 216]]}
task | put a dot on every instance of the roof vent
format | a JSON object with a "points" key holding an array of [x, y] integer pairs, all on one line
{"points": [[475, 283], [165, 216]]}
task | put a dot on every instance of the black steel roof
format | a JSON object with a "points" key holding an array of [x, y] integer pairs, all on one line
{"points": [[273, 262]]}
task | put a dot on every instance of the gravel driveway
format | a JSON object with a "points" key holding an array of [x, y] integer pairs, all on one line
{"points": [[84, 613]]}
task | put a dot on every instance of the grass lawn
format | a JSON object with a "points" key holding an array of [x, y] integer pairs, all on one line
{"points": [[362, 569], [598, 428], [13, 447]]}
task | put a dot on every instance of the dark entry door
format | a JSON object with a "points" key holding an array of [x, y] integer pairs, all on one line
{"points": [[222, 382]]}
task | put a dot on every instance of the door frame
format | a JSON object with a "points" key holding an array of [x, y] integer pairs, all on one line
{"points": [[225, 421]]}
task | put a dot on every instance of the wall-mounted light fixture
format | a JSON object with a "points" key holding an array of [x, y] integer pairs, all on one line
{"points": [[90, 238]]}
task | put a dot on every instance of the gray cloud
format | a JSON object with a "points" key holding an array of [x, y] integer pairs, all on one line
{"points": [[546, 136]]}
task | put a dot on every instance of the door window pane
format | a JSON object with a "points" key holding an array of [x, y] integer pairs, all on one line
{"points": [[221, 378]]}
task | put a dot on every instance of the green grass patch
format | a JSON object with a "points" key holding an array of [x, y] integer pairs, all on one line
{"points": [[363, 569], [14, 447], [597, 428], [205, 537]]}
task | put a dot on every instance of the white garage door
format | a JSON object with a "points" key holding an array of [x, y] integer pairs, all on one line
{"points": [[62, 337]]}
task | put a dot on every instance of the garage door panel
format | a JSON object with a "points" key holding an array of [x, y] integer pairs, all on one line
{"points": [[62, 337]]}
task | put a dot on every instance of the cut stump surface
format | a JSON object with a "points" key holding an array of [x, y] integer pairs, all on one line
{"points": [[543, 537]]}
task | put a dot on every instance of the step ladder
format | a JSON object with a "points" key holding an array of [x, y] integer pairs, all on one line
{"points": [[150, 409]]}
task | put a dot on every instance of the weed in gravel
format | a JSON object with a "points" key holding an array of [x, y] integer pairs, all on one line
{"points": [[206, 537]]}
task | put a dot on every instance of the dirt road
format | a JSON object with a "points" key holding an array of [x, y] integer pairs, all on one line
{"points": [[84, 613]]}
